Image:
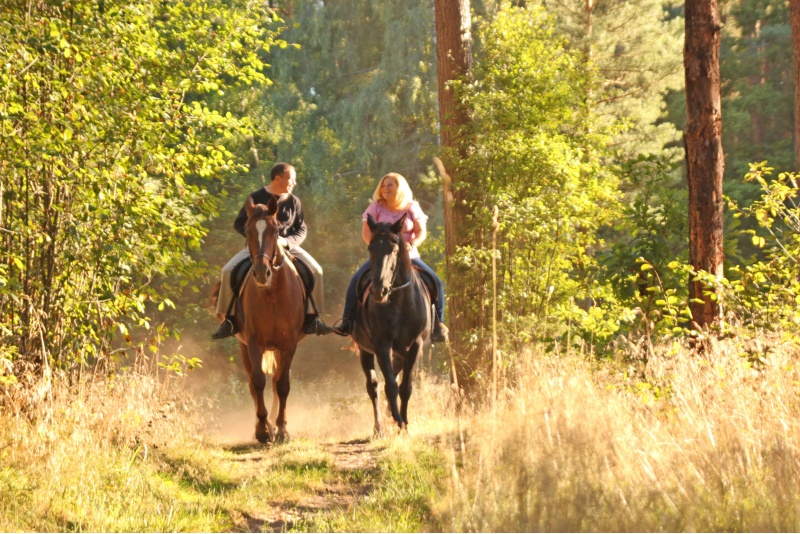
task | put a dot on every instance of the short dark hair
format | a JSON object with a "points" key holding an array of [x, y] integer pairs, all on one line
{"points": [[278, 169]]}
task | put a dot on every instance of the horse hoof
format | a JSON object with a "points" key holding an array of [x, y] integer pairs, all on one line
{"points": [[283, 437], [263, 436], [377, 432]]}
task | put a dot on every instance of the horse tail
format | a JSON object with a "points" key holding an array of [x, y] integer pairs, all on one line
{"points": [[268, 362]]}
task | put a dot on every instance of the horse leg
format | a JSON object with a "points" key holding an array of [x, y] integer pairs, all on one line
{"points": [[368, 365], [408, 379], [258, 381], [273, 411], [248, 366], [281, 385], [390, 387]]}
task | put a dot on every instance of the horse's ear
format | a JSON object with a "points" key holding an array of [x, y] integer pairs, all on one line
{"points": [[249, 205], [272, 206], [398, 226], [371, 223]]}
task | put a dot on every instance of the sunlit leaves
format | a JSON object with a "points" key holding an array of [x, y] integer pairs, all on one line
{"points": [[104, 138], [539, 156]]}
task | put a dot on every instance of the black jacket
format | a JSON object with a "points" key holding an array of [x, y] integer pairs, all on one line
{"points": [[290, 216]]}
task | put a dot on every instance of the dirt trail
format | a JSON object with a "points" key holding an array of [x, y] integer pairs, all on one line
{"points": [[355, 455]]}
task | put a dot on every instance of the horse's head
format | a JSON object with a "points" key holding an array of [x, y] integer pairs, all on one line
{"points": [[387, 250], [261, 230]]}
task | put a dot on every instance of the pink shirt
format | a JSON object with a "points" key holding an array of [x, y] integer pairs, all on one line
{"points": [[382, 214]]}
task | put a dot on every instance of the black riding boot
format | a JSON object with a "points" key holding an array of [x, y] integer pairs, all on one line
{"points": [[314, 325], [343, 327], [226, 328]]}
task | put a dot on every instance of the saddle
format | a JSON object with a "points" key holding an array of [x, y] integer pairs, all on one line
{"points": [[242, 269], [362, 286]]}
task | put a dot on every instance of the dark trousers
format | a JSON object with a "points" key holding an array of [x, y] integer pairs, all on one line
{"points": [[351, 297]]}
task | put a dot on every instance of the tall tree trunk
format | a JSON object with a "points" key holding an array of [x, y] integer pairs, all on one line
{"points": [[794, 9], [756, 116], [703, 143], [454, 61]]}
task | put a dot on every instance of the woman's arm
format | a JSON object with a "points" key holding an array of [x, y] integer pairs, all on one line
{"points": [[366, 233], [420, 233]]}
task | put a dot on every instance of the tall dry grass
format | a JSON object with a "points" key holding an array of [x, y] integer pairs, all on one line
{"points": [[687, 443], [87, 456]]}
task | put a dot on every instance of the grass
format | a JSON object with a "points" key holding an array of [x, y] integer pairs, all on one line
{"points": [[687, 443], [401, 489], [683, 443], [132, 454]]}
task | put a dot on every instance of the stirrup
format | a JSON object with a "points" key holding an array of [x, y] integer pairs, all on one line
{"points": [[316, 326], [226, 329], [342, 327]]}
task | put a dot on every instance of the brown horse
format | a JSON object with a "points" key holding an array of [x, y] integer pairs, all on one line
{"points": [[273, 303]]}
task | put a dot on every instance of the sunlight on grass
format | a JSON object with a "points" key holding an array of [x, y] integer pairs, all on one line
{"points": [[695, 443], [681, 443]]}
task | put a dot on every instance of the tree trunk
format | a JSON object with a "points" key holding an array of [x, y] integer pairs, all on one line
{"points": [[454, 62], [756, 115], [794, 9], [704, 158]]}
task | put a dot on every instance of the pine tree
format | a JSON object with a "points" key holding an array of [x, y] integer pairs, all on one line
{"points": [[795, 22], [704, 157], [635, 48], [454, 60]]}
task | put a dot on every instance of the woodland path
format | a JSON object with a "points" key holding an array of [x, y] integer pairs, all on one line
{"points": [[352, 462]]}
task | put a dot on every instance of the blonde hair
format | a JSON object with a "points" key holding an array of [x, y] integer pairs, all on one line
{"points": [[404, 194]]}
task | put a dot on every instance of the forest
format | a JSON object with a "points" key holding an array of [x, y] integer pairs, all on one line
{"points": [[613, 208]]}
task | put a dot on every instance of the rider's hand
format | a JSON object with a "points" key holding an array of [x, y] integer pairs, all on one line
{"points": [[282, 242]]}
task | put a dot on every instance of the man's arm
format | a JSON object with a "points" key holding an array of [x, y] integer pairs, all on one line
{"points": [[296, 233], [241, 219]]}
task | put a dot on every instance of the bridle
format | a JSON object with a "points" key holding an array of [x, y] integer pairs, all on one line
{"points": [[270, 260], [392, 287]]}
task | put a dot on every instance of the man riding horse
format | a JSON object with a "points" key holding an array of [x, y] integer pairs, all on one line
{"points": [[292, 233]]}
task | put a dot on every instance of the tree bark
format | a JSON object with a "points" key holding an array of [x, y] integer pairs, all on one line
{"points": [[454, 62], [704, 158], [794, 10]]}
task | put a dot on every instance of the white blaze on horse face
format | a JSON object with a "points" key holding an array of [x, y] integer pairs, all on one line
{"points": [[387, 267], [261, 226]]}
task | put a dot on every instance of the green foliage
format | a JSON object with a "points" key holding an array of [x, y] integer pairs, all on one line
{"points": [[356, 99], [653, 224], [635, 48], [765, 292], [539, 155], [761, 294], [645, 265], [106, 142], [757, 91]]}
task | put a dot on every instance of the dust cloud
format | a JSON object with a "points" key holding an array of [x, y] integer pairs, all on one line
{"points": [[328, 399]]}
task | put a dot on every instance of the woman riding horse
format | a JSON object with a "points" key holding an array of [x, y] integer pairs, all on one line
{"points": [[393, 200]]}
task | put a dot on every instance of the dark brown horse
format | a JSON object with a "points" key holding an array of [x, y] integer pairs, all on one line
{"points": [[394, 322], [273, 302]]}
